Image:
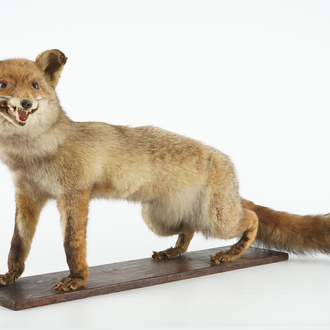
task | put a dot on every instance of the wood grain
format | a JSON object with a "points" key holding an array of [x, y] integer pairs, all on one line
{"points": [[35, 291]]}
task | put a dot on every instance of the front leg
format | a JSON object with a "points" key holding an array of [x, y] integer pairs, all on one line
{"points": [[27, 215], [74, 209]]}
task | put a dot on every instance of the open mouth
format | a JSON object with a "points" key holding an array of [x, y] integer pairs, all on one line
{"points": [[18, 116]]}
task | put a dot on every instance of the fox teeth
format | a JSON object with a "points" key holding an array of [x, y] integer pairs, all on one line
{"points": [[12, 111], [19, 113]]}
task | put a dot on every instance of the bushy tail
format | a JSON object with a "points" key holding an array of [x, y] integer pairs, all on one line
{"points": [[291, 232]]}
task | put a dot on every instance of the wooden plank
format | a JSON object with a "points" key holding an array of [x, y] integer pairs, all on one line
{"points": [[35, 291]]}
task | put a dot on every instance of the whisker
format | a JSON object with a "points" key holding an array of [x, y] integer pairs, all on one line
{"points": [[5, 97]]}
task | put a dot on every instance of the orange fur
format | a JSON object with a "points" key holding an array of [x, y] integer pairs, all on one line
{"points": [[183, 185], [291, 232]]}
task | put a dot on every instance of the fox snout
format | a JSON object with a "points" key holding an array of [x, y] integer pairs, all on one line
{"points": [[18, 111]]}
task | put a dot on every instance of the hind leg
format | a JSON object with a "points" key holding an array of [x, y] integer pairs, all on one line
{"points": [[181, 246], [250, 227]]}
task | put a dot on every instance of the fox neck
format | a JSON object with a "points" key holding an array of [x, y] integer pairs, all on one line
{"points": [[34, 141]]}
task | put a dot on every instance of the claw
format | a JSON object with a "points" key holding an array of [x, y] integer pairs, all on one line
{"points": [[219, 258], [69, 284], [160, 255]]}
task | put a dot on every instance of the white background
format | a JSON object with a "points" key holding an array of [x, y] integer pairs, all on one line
{"points": [[251, 78]]}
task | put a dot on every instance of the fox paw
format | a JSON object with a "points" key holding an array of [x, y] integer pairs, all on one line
{"points": [[163, 255], [220, 258], [8, 278], [69, 284]]}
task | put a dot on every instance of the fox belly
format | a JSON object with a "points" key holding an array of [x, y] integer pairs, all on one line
{"points": [[183, 210]]}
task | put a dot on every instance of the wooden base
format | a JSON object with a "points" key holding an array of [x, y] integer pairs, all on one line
{"points": [[35, 291]]}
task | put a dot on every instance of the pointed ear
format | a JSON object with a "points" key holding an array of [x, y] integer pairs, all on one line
{"points": [[51, 62]]}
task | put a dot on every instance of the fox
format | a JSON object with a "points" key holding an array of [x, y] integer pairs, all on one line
{"points": [[184, 186]]}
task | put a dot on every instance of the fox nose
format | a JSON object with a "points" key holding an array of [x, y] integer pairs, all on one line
{"points": [[26, 104]]}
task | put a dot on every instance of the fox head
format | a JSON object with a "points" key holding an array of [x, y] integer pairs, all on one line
{"points": [[27, 88]]}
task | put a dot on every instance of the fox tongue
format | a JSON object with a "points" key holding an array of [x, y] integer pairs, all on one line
{"points": [[22, 115]]}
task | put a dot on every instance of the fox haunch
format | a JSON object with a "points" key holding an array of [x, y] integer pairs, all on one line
{"points": [[183, 185]]}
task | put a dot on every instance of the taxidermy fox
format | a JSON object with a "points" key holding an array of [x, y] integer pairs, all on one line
{"points": [[183, 185]]}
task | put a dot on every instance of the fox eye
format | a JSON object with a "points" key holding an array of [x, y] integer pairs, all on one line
{"points": [[35, 85], [3, 84]]}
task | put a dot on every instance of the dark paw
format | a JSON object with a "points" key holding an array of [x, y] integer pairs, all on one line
{"points": [[160, 255], [8, 278], [69, 284], [219, 258]]}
